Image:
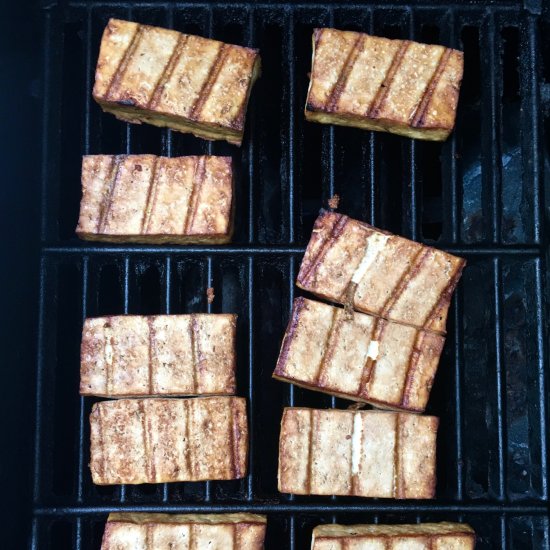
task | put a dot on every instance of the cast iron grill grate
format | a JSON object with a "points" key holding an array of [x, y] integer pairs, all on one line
{"points": [[479, 195]]}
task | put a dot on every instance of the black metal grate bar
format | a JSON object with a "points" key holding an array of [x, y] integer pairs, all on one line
{"points": [[458, 196]]}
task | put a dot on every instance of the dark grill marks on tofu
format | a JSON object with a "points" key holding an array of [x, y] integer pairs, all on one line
{"points": [[151, 196], [108, 192], [340, 84], [308, 273], [168, 72], [206, 90], [418, 117], [198, 179], [380, 97]]}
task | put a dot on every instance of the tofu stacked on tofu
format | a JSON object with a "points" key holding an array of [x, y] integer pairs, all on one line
{"points": [[382, 347], [143, 438]]}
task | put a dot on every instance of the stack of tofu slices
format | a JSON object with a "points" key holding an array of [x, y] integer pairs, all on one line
{"points": [[379, 345]]}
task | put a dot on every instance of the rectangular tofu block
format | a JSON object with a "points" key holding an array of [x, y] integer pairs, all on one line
{"points": [[158, 200], [163, 440], [374, 83], [421, 536], [360, 453], [357, 356], [162, 77], [373, 271], [136, 531], [139, 356]]}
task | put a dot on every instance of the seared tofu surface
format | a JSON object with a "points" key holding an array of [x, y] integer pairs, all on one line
{"points": [[350, 262], [150, 199], [357, 453], [357, 356], [162, 77], [139, 356], [374, 83], [165, 440], [421, 536], [132, 531]]}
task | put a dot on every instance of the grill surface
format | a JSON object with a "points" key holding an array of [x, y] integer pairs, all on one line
{"points": [[479, 195]]}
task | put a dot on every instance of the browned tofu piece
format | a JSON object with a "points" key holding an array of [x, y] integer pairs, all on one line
{"points": [[162, 77], [139, 356], [375, 83], [358, 356], [353, 263], [149, 199], [135, 531], [421, 536], [162, 440], [360, 453]]}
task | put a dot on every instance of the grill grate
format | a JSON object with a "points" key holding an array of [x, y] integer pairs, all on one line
{"points": [[479, 195]]}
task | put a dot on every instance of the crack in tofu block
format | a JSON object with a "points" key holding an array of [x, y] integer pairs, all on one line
{"points": [[187, 83], [164, 440], [358, 356], [421, 536], [374, 83], [157, 200], [136, 531], [164, 355], [357, 453], [352, 263]]}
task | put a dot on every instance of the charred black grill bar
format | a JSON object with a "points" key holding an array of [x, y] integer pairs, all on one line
{"points": [[480, 194]]}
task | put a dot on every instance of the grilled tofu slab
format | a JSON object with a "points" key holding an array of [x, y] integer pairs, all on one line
{"points": [[139, 356], [360, 453], [149, 199], [163, 440], [375, 83], [358, 356], [184, 82], [421, 536], [184, 532], [353, 263]]}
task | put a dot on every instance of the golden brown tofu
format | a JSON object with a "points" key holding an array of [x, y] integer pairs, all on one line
{"points": [[184, 82], [149, 199], [421, 536], [360, 453], [375, 83], [164, 440], [135, 531], [353, 263], [358, 356], [169, 355]]}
